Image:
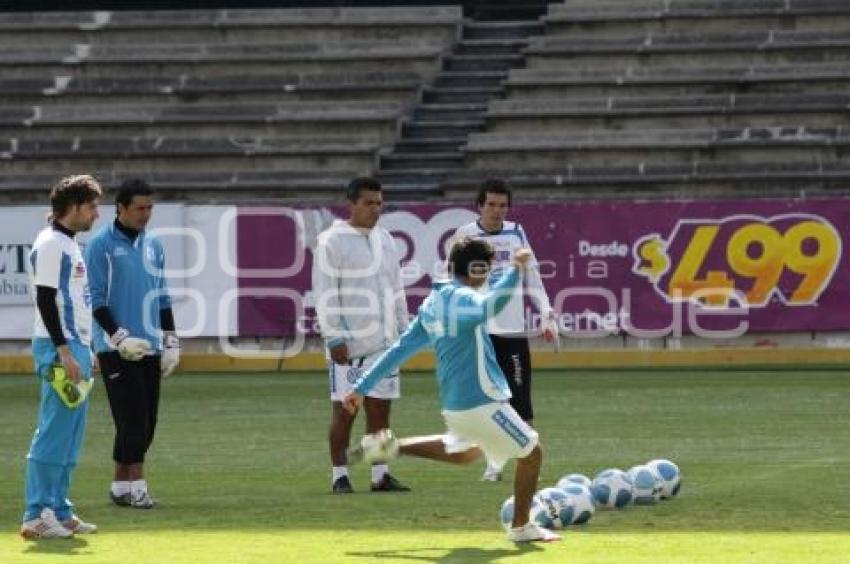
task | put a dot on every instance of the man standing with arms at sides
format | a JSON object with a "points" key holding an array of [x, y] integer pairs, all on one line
{"points": [[361, 308], [63, 361], [508, 330], [134, 337], [473, 391]]}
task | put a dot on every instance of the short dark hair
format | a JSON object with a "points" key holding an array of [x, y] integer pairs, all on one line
{"points": [[493, 186], [129, 189], [71, 191], [359, 184], [466, 252]]}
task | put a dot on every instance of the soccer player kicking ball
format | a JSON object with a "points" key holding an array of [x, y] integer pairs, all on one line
{"points": [[473, 392]]}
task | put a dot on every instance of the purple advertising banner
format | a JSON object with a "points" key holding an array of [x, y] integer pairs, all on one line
{"points": [[647, 269]]}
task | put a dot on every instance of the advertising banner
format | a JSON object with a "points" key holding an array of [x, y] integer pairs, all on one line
{"points": [[647, 269], [19, 226]]}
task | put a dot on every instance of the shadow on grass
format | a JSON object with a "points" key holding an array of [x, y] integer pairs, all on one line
{"points": [[461, 554], [69, 547]]}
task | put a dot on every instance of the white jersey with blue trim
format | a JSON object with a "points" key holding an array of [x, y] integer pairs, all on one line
{"points": [[57, 262], [505, 242], [451, 319]]}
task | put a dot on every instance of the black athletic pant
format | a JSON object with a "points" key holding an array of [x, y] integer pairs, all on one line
{"points": [[514, 358], [133, 392]]}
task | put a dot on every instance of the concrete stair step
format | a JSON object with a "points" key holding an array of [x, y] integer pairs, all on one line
{"points": [[169, 61], [237, 181], [481, 62], [696, 16], [621, 148], [460, 95], [677, 105], [507, 10], [591, 52], [490, 46], [653, 180], [638, 122], [477, 79], [657, 172], [504, 30], [411, 176], [210, 121], [430, 129], [661, 6], [696, 80], [432, 24], [430, 145], [668, 112], [447, 112], [396, 161]]}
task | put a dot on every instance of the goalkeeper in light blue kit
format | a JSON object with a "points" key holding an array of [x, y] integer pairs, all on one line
{"points": [[63, 361], [473, 391], [134, 334]]}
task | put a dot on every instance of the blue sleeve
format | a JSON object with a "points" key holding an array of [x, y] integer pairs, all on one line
{"points": [[164, 297], [414, 339], [474, 309], [97, 263]]}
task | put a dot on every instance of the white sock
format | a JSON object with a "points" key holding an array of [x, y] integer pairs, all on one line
{"points": [[138, 487], [338, 472], [495, 468], [120, 488], [378, 471]]}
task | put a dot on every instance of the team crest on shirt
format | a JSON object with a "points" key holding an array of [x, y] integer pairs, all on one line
{"points": [[120, 252], [503, 255], [353, 374]]}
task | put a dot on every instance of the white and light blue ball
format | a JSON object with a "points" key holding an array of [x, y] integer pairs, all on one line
{"points": [[671, 476], [537, 514], [646, 484], [557, 505], [612, 488], [574, 478], [580, 500]]}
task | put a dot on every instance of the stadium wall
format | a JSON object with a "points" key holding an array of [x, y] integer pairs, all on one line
{"points": [[240, 277]]}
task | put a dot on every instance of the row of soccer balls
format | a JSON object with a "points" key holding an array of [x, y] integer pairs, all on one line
{"points": [[575, 497]]}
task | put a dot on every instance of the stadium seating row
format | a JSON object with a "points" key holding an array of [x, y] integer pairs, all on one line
{"points": [[269, 101], [660, 93], [665, 96]]}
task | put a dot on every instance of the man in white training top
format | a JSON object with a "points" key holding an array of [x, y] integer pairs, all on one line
{"points": [[361, 308]]}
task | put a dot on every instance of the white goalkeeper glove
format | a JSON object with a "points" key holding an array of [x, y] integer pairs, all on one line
{"points": [[130, 348], [170, 355]]}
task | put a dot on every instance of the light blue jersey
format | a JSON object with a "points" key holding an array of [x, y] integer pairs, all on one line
{"points": [[451, 320], [127, 277]]}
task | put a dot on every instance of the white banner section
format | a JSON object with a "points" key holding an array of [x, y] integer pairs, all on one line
{"points": [[190, 235]]}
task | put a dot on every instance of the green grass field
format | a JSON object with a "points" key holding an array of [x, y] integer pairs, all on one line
{"points": [[241, 472]]}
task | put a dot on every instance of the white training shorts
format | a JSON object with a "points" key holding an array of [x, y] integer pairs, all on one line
{"points": [[343, 376], [494, 427]]}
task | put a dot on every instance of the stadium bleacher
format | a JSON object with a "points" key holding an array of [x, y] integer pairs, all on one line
{"points": [[212, 98], [733, 98], [722, 98]]}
